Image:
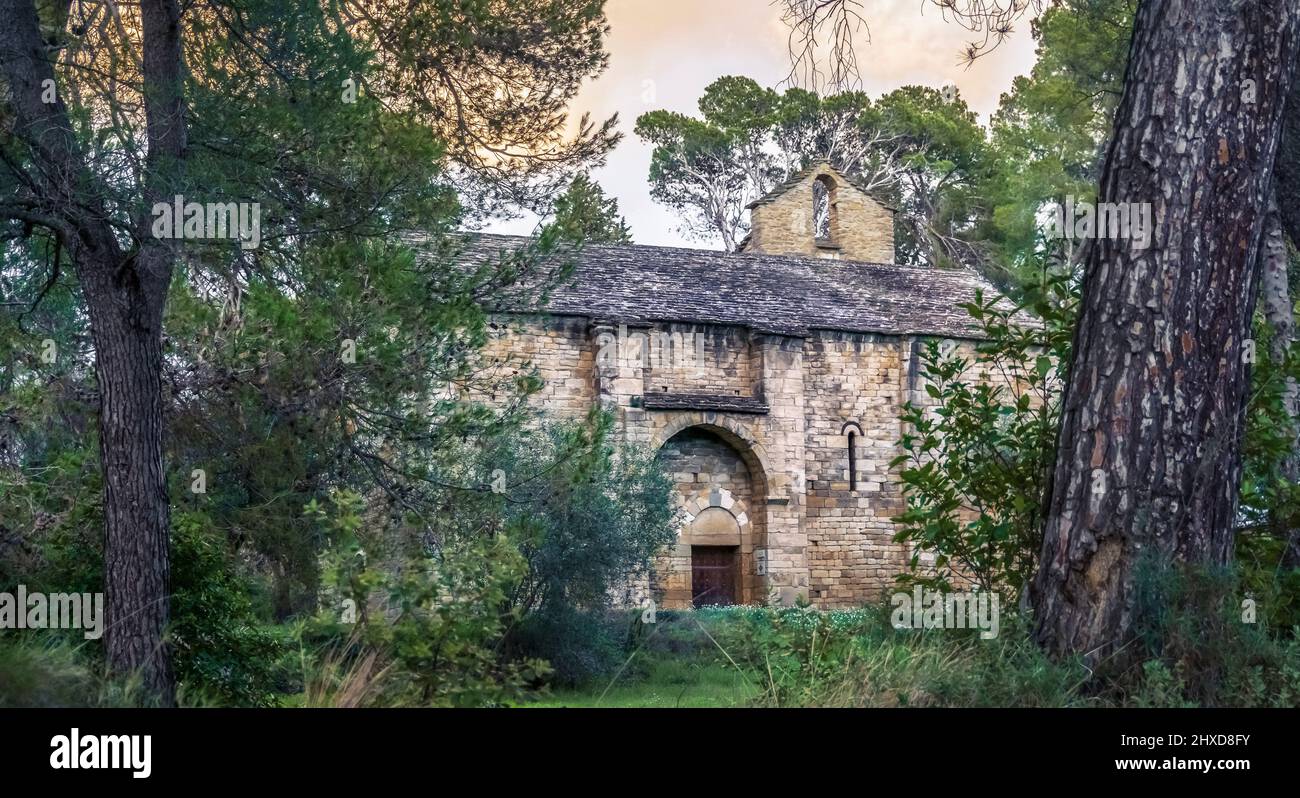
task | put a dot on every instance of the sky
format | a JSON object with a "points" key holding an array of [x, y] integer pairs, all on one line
{"points": [[663, 53]]}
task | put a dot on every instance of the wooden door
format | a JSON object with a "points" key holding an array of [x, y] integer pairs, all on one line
{"points": [[713, 575]]}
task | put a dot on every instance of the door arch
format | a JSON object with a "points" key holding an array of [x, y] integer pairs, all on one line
{"points": [[722, 494]]}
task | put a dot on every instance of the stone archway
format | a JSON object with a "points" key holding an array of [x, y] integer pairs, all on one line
{"points": [[722, 493], [728, 430]]}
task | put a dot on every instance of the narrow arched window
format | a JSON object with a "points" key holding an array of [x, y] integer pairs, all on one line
{"points": [[853, 461], [823, 209], [852, 432]]}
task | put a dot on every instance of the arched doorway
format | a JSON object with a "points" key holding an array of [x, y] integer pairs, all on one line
{"points": [[720, 555]]}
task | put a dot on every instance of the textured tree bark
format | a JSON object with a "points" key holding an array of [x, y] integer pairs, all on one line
{"points": [[124, 292], [1275, 293], [1287, 167], [126, 328], [1148, 461]]}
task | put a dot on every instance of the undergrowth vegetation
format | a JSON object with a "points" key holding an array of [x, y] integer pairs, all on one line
{"points": [[750, 656], [804, 657]]}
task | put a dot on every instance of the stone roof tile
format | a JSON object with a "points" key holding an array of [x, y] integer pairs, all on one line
{"points": [[780, 294]]}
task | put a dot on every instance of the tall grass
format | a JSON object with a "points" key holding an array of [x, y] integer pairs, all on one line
{"points": [[343, 676], [36, 672], [1193, 650]]}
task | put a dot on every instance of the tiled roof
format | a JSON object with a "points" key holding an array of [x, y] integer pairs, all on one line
{"points": [[781, 294]]}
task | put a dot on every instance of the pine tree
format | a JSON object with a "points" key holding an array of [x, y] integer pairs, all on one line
{"points": [[583, 213]]}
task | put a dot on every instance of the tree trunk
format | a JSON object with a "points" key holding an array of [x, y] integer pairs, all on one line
{"points": [[1275, 295], [126, 328], [124, 293], [1287, 190], [1148, 461]]}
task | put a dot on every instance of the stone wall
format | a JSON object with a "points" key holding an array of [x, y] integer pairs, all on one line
{"points": [[855, 383], [680, 358], [558, 347], [862, 228], [782, 473]]}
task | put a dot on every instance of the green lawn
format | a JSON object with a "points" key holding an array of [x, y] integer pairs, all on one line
{"points": [[663, 683], [677, 664]]}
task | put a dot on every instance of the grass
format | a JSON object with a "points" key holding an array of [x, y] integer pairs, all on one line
{"points": [[51, 671], [1193, 655], [674, 663], [742, 657], [663, 684], [793, 657]]}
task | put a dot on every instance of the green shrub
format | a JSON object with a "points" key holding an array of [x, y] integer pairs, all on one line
{"points": [[589, 524], [222, 653], [1199, 643], [42, 671], [579, 645], [221, 650], [976, 460], [433, 625]]}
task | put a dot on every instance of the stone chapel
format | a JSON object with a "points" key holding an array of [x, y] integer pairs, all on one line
{"points": [[769, 381]]}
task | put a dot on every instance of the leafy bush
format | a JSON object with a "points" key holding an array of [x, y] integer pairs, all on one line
{"points": [[1274, 588], [579, 645], [1270, 497], [523, 576], [976, 460], [588, 527], [220, 647], [222, 652], [1202, 645], [432, 624]]}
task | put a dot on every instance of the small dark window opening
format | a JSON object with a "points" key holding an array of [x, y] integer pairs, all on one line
{"points": [[853, 462], [821, 210]]}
